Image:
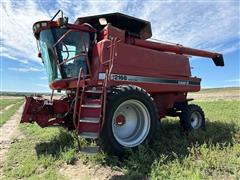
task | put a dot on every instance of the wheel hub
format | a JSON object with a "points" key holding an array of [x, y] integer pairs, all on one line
{"points": [[131, 123], [196, 120], [120, 120]]}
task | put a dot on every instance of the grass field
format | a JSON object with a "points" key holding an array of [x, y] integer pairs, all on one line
{"points": [[7, 113], [214, 94], [214, 153], [6, 102]]}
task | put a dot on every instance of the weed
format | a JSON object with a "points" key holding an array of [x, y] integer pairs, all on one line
{"points": [[214, 153], [4, 116], [6, 102]]}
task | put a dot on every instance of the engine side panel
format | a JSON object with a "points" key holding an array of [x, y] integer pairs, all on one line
{"points": [[135, 60], [154, 71]]}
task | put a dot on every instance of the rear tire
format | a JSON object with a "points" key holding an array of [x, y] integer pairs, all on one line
{"points": [[192, 118], [131, 118]]}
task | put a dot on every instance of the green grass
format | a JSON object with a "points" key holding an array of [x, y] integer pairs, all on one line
{"points": [[6, 114], [40, 153], [210, 154], [6, 102], [220, 90]]}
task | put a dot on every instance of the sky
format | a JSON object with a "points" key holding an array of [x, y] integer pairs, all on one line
{"points": [[210, 25]]}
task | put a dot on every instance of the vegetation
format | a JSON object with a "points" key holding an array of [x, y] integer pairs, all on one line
{"points": [[6, 102], [214, 153], [38, 155], [22, 94], [221, 90], [6, 114]]}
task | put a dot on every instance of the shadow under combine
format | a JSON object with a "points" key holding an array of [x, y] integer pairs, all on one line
{"points": [[174, 144], [170, 141], [61, 143]]}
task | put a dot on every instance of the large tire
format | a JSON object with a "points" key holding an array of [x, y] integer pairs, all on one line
{"points": [[131, 118], [192, 118]]}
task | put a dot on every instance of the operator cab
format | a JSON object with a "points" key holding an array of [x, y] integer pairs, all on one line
{"points": [[63, 48]]}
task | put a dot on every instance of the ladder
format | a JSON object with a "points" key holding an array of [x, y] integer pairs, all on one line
{"points": [[90, 102]]}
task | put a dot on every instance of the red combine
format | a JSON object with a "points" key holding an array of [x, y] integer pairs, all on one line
{"points": [[118, 84]]}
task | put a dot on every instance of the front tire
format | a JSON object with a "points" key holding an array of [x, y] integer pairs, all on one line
{"points": [[131, 118]]}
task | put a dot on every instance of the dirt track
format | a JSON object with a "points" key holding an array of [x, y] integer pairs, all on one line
{"points": [[82, 171], [6, 108], [8, 133]]}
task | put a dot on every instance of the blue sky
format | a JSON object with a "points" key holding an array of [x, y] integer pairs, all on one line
{"points": [[210, 25]]}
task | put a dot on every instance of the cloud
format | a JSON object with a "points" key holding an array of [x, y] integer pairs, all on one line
{"points": [[16, 37], [233, 48], [231, 85], [44, 78], [195, 24], [42, 85], [25, 69], [200, 24], [4, 53], [17, 18], [234, 80], [88, 8], [8, 56]]}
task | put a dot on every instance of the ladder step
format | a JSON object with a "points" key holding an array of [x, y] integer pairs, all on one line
{"points": [[92, 135], [94, 91], [91, 105], [90, 120]]}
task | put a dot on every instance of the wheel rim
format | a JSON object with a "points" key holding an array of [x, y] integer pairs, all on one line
{"points": [[131, 123], [196, 120]]}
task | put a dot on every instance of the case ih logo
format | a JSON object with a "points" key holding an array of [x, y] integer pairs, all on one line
{"points": [[182, 82]]}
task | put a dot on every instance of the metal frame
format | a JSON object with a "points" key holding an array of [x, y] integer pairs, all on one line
{"points": [[161, 69]]}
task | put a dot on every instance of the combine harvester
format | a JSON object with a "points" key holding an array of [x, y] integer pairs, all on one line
{"points": [[118, 84]]}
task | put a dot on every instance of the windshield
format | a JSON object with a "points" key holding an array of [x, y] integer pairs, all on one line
{"points": [[64, 48]]}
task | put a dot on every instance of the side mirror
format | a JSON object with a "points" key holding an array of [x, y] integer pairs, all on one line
{"points": [[40, 55]]}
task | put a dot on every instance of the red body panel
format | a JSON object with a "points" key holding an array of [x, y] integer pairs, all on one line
{"points": [[44, 112], [136, 60], [117, 58], [130, 59]]}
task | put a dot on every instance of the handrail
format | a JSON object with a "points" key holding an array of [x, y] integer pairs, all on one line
{"points": [[81, 99], [63, 36], [76, 97], [108, 77], [112, 59], [77, 56]]}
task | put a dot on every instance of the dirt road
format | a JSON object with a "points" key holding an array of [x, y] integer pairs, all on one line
{"points": [[8, 133], [83, 171], [6, 108]]}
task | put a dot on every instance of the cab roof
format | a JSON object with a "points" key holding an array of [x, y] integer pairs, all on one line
{"points": [[135, 27]]}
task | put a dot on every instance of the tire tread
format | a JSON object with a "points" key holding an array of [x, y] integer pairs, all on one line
{"points": [[118, 92], [185, 117]]}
